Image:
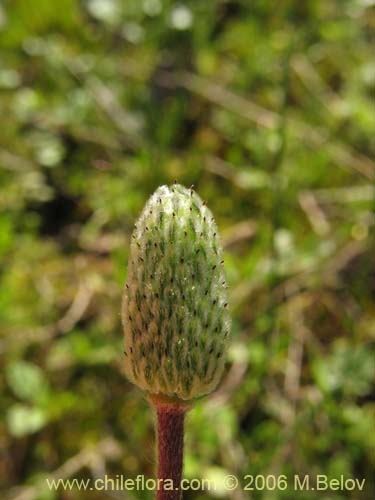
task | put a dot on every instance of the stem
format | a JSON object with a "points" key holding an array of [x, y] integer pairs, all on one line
{"points": [[170, 429]]}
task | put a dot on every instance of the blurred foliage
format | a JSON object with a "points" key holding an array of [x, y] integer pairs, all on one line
{"points": [[267, 108]]}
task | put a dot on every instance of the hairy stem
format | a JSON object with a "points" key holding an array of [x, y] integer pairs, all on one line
{"points": [[170, 442]]}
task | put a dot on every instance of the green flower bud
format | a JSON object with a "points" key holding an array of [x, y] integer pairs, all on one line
{"points": [[174, 312]]}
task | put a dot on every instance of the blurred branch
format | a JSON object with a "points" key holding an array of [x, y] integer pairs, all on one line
{"points": [[232, 381], [316, 86], [11, 161], [74, 314], [220, 95], [313, 136], [283, 404], [108, 102], [221, 168], [343, 156], [244, 230], [332, 266], [315, 214], [77, 309], [106, 449], [349, 194], [295, 354], [325, 268]]}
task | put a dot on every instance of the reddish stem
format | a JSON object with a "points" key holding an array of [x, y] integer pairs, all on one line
{"points": [[170, 425]]}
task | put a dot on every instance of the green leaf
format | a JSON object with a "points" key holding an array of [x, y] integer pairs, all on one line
{"points": [[26, 380], [23, 420]]}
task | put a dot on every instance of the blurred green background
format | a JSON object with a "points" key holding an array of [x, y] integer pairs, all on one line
{"points": [[268, 109]]}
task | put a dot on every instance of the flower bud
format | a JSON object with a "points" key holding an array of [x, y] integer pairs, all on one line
{"points": [[174, 313]]}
